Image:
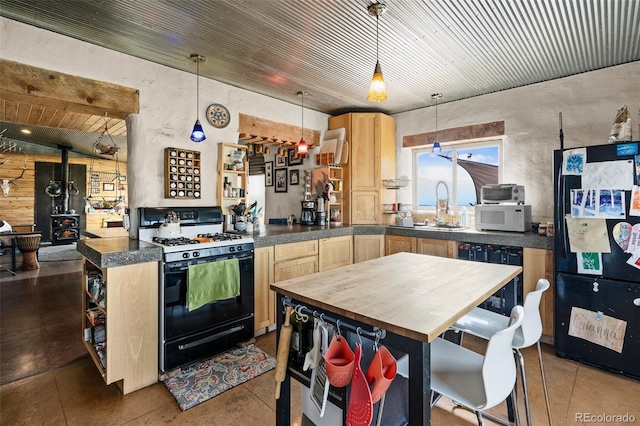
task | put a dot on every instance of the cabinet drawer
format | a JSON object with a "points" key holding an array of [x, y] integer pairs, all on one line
{"points": [[296, 250], [295, 268]]}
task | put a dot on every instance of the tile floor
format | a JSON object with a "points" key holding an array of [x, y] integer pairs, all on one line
{"points": [[47, 378]]}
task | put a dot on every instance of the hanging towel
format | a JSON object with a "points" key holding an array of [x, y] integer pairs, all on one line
{"points": [[212, 281]]}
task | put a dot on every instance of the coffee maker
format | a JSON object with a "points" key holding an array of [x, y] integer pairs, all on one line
{"points": [[308, 216]]}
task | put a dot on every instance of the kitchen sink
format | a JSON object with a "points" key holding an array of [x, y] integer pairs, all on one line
{"points": [[445, 227]]}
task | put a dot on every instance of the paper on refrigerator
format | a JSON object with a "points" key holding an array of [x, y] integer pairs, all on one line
{"points": [[597, 328], [588, 235], [608, 174]]}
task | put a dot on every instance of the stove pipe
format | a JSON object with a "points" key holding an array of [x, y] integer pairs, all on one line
{"points": [[64, 195]]}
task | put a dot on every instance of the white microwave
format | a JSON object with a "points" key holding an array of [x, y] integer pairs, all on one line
{"points": [[503, 217]]}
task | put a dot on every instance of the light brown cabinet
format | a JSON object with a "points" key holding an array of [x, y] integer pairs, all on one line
{"points": [[335, 252], [396, 244], [125, 317], [538, 263], [372, 158], [442, 248], [366, 247], [264, 298]]}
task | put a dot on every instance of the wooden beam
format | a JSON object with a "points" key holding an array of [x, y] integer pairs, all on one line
{"points": [[275, 131], [23, 83], [494, 129]]}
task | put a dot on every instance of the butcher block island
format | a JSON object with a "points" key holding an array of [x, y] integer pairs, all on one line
{"points": [[412, 297]]}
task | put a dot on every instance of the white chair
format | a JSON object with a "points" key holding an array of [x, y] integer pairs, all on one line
{"points": [[483, 323], [477, 381]]}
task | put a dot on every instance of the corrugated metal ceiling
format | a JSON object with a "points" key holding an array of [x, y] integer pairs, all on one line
{"points": [[278, 47], [459, 48]]}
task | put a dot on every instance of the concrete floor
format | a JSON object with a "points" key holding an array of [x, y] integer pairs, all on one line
{"points": [[47, 377]]}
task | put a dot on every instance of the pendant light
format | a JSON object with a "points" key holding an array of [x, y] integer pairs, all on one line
{"points": [[303, 148], [436, 149], [377, 90], [197, 135]]}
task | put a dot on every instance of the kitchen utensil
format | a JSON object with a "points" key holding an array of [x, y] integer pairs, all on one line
{"points": [[313, 356], [339, 362], [283, 350], [319, 383], [360, 411], [171, 226], [381, 373]]}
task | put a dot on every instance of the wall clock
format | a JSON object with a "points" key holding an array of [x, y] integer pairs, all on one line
{"points": [[218, 115]]}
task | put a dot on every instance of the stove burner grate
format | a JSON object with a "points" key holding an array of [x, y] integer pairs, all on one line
{"points": [[180, 241], [220, 236]]}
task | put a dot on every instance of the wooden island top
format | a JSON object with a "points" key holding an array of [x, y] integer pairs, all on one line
{"points": [[412, 295]]}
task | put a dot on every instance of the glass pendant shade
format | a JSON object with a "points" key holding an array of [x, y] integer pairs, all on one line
{"points": [[377, 90], [197, 135], [303, 148], [436, 149]]}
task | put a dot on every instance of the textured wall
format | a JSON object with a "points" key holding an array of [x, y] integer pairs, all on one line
{"points": [[588, 103]]}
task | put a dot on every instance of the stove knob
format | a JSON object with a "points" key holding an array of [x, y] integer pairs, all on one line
{"points": [[196, 254], [239, 248], [232, 249], [185, 255]]}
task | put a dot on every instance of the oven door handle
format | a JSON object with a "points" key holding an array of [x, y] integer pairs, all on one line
{"points": [[211, 338]]}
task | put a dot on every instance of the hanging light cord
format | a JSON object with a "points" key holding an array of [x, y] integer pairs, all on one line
{"points": [[377, 21], [197, 85], [436, 119], [302, 120]]}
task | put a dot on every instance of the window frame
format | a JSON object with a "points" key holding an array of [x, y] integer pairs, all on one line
{"points": [[455, 146]]}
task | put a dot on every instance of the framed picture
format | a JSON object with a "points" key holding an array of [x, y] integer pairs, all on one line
{"points": [[294, 176], [95, 176], [281, 180], [108, 187], [95, 184], [294, 160], [281, 161], [122, 178], [95, 190], [268, 173]]}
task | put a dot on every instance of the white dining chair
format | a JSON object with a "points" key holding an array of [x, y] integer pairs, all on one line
{"points": [[483, 323], [473, 380]]}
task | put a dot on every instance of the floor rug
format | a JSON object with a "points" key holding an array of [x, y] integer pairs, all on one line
{"points": [[204, 380], [58, 253]]}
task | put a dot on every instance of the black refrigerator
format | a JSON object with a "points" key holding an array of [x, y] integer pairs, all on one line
{"points": [[597, 294]]}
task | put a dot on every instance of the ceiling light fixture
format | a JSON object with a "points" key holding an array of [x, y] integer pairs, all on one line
{"points": [[436, 149], [377, 91], [303, 148], [197, 135]]}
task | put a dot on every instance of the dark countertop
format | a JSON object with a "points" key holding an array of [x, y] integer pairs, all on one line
{"points": [[270, 235], [111, 252]]}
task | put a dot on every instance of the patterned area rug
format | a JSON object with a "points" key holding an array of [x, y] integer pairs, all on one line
{"points": [[206, 379]]}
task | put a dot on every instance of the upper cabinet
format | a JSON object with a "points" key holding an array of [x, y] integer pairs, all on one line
{"points": [[372, 158]]}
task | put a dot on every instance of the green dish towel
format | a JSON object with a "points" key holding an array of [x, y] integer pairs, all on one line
{"points": [[212, 281]]}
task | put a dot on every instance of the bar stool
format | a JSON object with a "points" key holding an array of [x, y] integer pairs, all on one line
{"points": [[476, 381], [29, 245], [483, 323]]}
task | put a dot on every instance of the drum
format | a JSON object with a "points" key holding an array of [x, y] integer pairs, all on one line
{"points": [[29, 245]]}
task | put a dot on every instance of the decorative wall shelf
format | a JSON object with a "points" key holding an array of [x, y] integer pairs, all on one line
{"points": [[182, 177]]}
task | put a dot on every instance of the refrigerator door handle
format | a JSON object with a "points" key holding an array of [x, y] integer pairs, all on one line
{"points": [[560, 206]]}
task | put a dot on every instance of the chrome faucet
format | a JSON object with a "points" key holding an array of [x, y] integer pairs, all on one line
{"points": [[438, 199]]}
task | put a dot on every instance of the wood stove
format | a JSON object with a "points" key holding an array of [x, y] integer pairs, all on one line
{"points": [[65, 228]]}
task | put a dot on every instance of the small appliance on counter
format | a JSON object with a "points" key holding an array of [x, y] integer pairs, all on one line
{"points": [[308, 215], [502, 193], [321, 213], [503, 209]]}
